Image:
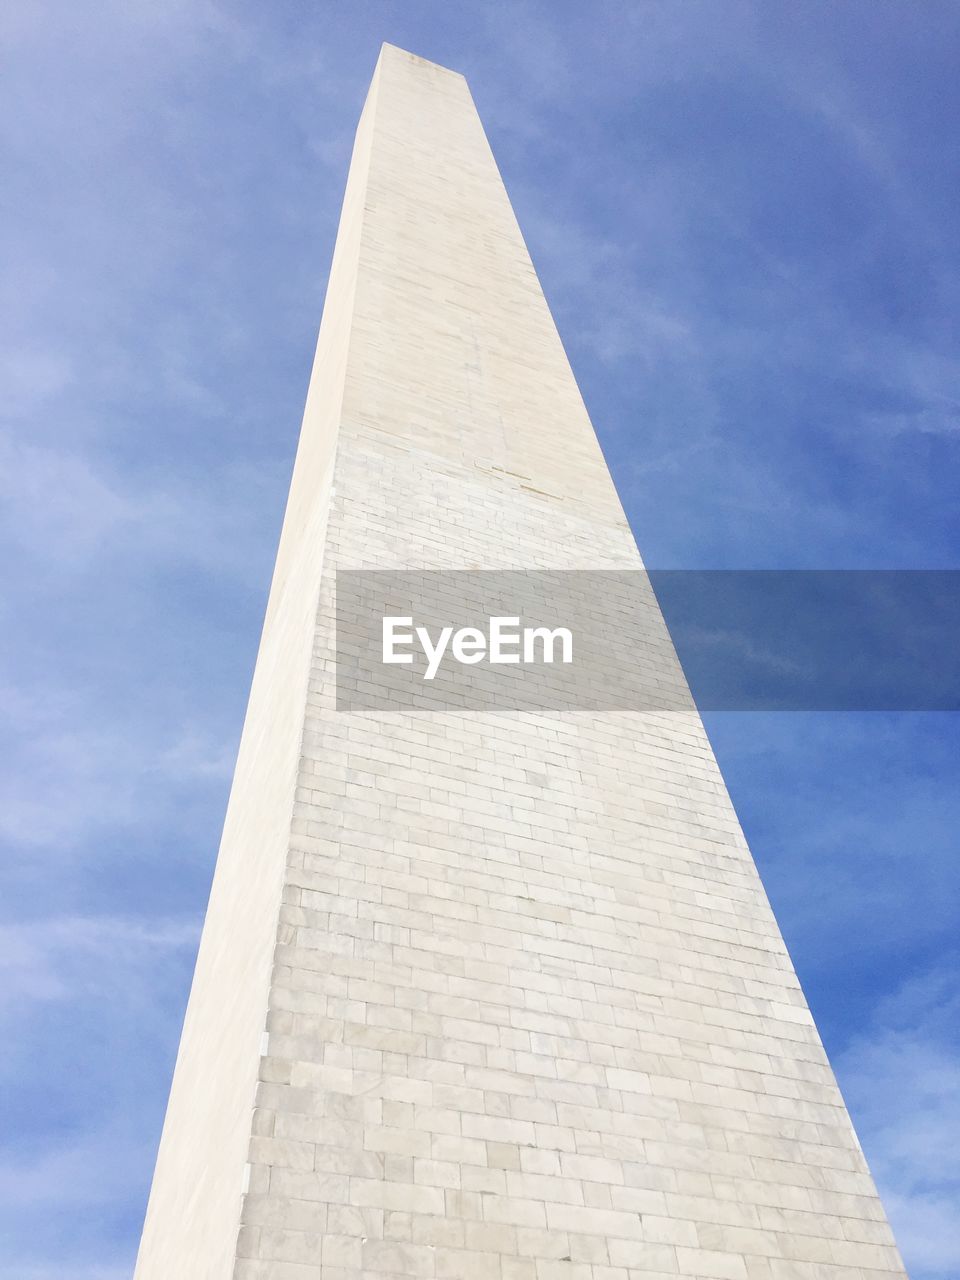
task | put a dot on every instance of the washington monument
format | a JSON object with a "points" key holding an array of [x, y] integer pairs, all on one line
{"points": [[480, 995]]}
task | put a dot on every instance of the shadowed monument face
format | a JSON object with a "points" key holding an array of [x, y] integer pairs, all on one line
{"points": [[483, 990]]}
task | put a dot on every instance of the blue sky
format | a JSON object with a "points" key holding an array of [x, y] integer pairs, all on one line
{"points": [[744, 217]]}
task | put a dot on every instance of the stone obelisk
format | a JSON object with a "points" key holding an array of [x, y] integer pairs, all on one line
{"points": [[480, 996]]}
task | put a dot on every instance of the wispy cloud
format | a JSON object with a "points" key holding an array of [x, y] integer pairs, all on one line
{"points": [[82, 770], [25, 1271], [60, 958], [68, 510], [87, 986], [901, 1076]]}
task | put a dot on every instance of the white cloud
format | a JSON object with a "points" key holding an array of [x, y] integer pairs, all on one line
{"points": [[83, 767], [32, 375], [57, 503], [25, 1271], [55, 959], [69, 509], [902, 1082], [96, 986]]}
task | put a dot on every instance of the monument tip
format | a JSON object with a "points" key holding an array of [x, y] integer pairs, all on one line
{"points": [[388, 50]]}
